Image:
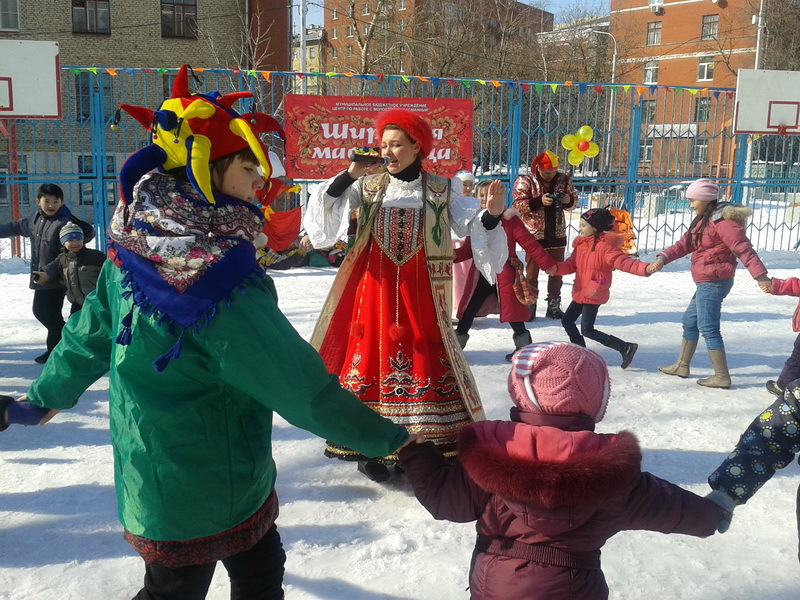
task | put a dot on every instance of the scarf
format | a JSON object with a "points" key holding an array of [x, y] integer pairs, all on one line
{"points": [[180, 255]]}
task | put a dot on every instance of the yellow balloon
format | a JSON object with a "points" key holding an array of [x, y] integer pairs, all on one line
{"points": [[569, 141], [586, 133], [575, 157], [593, 150]]}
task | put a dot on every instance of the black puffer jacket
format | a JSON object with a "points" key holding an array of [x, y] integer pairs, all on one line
{"points": [[78, 271], [43, 232]]}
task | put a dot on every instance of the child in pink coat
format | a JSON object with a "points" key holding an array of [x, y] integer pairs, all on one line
{"points": [[596, 252], [791, 370], [547, 491]]}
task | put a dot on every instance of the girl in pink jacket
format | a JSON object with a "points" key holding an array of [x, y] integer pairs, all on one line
{"points": [[791, 370], [716, 239], [595, 254]]}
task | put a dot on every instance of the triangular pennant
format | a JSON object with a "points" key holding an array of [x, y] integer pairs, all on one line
{"points": [[452, 82], [112, 72], [435, 81], [581, 88], [381, 77], [467, 84], [692, 91], [421, 78], [554, 86], [538, 87], [653, 89], [405, 78], [678, 90], [525, 86], [640, 89], [266, 74], [481, 81], [92, 70], [716, 94], [627, 88], [495, 83], [567, 83]]}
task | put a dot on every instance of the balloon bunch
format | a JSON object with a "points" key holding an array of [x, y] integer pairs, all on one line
{"points": [[580, 145]]}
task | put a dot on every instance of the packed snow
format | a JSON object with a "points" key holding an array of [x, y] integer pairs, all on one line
{"points": [[348, 538]]}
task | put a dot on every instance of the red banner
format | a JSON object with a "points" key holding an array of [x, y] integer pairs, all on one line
{"points": [[321, 131]]}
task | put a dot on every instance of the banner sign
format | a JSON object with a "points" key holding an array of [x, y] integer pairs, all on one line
{"points": [[321, 131]]}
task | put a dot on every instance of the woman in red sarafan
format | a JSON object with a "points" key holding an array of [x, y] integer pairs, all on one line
{"points": [[385, 326]]}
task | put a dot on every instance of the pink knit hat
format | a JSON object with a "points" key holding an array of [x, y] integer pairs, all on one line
{"points": [[704, 190], [559, 378]]}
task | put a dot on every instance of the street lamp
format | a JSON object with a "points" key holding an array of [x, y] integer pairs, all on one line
{"points": [[611, 115]]}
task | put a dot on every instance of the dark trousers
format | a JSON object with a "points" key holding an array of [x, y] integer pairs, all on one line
{"points": [[553, 281], [255, 574], [47, 306], [791, 370], [588, 315], [483, 290]]}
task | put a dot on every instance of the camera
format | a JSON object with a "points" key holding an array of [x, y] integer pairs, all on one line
{"points": [[557, 196]]}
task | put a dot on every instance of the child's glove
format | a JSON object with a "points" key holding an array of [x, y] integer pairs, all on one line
{"points": [[19, 413], [726, 505]]}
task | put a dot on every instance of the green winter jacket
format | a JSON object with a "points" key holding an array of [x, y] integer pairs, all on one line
{"points": [[192, 444]]}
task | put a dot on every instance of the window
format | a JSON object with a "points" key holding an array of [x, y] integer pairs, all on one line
{"points": [[350, 31], [700, 151], [365, 9], [334, 14], [651, 71], [349, 51], [312, 52], [86, 165], [654, 33], [702, 110], [350, 12], [296, 54], [401, 24], [710, 27], [646, 150], [649, 111], [9, 15], [179, 18], [334, 53], [334, 34], [90, 16], [366, 29], [705, 68], [401, 5], [87, 87]]}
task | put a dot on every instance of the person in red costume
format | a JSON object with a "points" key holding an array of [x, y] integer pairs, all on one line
{"points": [[541, 199]]}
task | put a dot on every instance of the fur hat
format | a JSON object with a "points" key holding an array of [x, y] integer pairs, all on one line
{"points": [[411, 123], [70, 231], [546, 160], [704, 190], [599, 218], [559, 378], [192, 131], [465, 176]]}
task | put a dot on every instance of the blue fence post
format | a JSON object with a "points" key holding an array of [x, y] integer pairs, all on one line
{"points": [[514, 138], [99, 166], [739, 166], [632, 166]]}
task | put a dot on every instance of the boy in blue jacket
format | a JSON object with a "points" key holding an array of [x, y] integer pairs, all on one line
{"points": [[43, 228]]}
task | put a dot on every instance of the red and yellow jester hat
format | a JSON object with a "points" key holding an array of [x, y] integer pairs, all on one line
{"points": [[193, 130], [546, 160]]}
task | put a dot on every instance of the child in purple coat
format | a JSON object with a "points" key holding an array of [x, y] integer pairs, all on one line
{"points": [[545, 490]]}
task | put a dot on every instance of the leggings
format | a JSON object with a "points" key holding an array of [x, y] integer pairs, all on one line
{"points": [[483, 290], [47, 306], [588, 315], [255, 574]]}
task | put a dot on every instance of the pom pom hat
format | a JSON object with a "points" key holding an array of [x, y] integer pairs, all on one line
{"points": [[704, 190], [546, 160], [599, 218], [412, 124], [70, 231], [193, 130], [559, 378]]}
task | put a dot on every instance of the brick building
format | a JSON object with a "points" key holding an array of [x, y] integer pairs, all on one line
{"points": [[156, 33], [315, 54]]}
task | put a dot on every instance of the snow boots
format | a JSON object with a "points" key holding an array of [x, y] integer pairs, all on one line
{"points": [[554, 308], [721, 378], [520, 341], [462, 338], [374, 470], [681, 366], [533, 312], [626, 349], [773, 388]]}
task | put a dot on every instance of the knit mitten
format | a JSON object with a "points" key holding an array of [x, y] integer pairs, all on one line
{"points": [[19, 413], [726, 505]]}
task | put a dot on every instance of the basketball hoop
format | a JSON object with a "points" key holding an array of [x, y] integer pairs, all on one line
{"points": [[782, 132]]}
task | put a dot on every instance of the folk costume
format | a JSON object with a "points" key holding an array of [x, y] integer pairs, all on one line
{"points": [[192, 429], [385, 326]]}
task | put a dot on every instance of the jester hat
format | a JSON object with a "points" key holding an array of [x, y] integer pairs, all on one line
{"points": [[546, 160], [193, 130]]}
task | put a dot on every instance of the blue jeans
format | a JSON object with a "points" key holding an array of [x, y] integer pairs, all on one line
{"points": [[703, 313]]}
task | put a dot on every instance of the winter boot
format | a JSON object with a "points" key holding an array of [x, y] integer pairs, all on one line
{"points": [[462, 338], [774, 389], [681, 366], [554, 308], [42, 358], [721, 378], [533, 312], [520, 341], [626, 349], [5, 402], [374, 470]]}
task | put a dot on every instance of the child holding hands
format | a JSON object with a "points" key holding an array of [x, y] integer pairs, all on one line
{"points": [[791, 369], [545, 489], [596, 252]]}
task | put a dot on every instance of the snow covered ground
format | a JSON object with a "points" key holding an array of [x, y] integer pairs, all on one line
{"points": [[348, 538]]}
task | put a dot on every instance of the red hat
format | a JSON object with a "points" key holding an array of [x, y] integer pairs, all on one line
{"points": [[559, 378], [412, 124], [545, 160]]}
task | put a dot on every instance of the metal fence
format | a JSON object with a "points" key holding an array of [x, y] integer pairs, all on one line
{"points": [[654, 140]]}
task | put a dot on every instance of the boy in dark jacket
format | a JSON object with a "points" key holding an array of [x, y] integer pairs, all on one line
{"points": [[78, 267], [43, 228], [545, 489]]}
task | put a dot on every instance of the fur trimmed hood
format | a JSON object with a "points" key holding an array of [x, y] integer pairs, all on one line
{"points": [[732, 211], [547, 467]]}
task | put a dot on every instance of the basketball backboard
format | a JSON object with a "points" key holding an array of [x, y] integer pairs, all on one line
{"points": [[30, 82], [767, 102]]}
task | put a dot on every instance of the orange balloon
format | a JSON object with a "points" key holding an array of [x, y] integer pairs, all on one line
{"points": [[583, 145]]}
